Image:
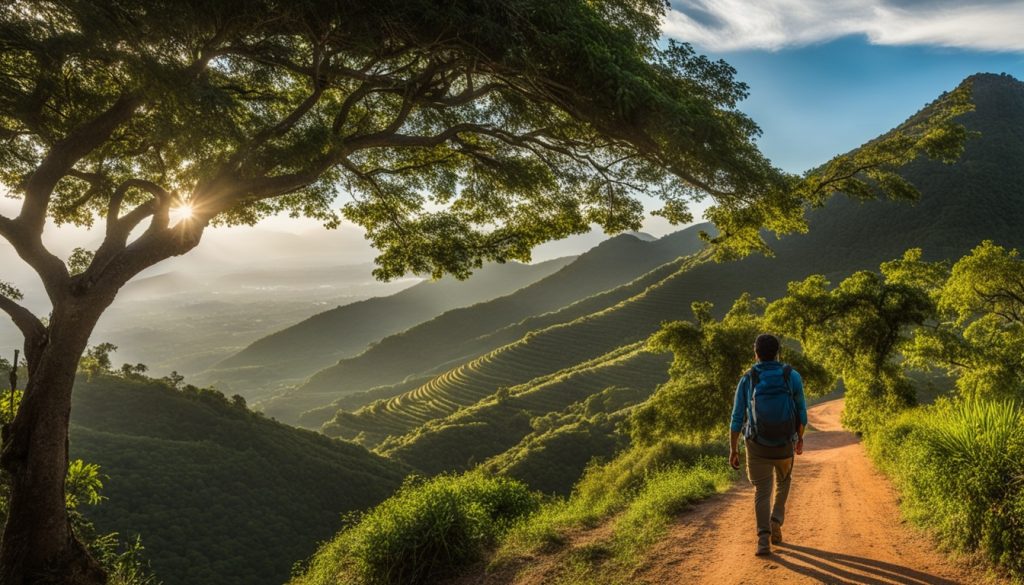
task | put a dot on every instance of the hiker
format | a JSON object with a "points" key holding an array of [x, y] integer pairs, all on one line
{"points": [[770, 411]]}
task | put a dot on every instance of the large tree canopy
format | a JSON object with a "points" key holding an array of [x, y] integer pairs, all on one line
{"points": [[460, 131]]}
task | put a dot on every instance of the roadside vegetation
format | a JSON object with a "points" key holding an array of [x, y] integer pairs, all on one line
{"points": [[957, 462]]}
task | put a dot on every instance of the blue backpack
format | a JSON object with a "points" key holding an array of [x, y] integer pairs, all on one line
{"points": [[771, 413]]}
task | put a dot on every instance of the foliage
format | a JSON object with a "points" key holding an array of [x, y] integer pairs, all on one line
{"points": [[979, 336], [426, 530], [857, 331], [959, 466], [532, 118], [710, 357], [219, 494], [96, 359], [561, 445]]}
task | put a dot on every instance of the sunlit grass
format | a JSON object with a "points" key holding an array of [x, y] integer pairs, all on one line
{"points": [[960, 470]]}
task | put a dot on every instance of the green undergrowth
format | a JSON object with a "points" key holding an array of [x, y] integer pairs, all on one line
{"points": [[640, 491], [433, 529], [959, 466], [427, 530]]}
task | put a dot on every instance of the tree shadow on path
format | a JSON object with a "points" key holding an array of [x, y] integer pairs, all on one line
{"points": [[831, 567]]}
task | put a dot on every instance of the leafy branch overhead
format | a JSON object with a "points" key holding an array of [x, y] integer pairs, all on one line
{"points": [[462, 134]]}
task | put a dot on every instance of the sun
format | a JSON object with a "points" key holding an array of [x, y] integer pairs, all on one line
{"points": [[181, 212]]}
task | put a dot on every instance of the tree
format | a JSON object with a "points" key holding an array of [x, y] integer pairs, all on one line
{"points": [[856, 330], [978, 336], [709, 357], [464, 132]]}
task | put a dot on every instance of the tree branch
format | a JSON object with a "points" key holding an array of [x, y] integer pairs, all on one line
{"points": [[30, 326], [28, 244], [124, 225], [65, 153]]}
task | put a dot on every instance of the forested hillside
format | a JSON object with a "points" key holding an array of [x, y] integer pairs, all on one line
{"points": [[300, 350], [438, 424], [218, 493], [466, 333]]}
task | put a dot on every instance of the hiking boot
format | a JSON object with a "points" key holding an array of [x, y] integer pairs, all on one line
{"points": [[763, 546], [776, 532]]}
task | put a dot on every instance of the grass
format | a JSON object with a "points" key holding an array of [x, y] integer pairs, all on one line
{"points": [[425, 531], [436, 528], [641, 490], [960, 469]]}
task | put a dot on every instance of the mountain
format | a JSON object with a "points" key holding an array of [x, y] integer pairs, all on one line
{"points": [[443, 422], [466, 333], [219, 494], [297, 351]]}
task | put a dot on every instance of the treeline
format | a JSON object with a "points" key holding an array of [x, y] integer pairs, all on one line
{"points": [[873, 331]]}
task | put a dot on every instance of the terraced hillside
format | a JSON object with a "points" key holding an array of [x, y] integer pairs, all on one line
{"points": [[463, 334], [292, 354], [498, 423], [504, 336], [979, 197], [449, 403], [539, 353]]}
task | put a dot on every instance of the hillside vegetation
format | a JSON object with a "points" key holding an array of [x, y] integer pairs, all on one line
{"points": [[218, 493], [463, 334], [317, 342]]}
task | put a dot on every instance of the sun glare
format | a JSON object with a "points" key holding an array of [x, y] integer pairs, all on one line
{"points": [[182, 212]]}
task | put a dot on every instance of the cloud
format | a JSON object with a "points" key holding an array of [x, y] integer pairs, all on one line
{"points": [[732, 25]]}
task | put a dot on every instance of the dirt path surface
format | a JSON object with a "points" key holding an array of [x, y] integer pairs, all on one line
{"points": [[842, 526]]}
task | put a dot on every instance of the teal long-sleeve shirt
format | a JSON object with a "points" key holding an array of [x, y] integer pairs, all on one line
{"points": [[739, 407]]}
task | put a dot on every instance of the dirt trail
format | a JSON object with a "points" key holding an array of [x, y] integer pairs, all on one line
{"points": [[842, 526]]}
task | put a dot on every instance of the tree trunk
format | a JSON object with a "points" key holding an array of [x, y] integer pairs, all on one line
{"points": [[38, 545]]}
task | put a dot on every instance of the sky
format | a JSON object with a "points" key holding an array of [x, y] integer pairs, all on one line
{"points": [[825, 76]]}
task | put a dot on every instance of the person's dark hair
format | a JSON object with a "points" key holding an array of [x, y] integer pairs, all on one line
{"points": [[766, 347]]}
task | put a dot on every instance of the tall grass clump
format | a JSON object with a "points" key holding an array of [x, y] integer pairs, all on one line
{"points": [[960, 468], [427, 530], [612, 488], [662, 497]]}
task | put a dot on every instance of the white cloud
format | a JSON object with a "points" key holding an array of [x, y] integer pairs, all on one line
{"points": [[730, 25]]}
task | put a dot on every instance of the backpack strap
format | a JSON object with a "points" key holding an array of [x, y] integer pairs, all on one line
{"points": [[787, 370], [753, 378]]}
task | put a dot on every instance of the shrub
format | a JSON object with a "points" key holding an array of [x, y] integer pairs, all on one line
{"points": [[960, 468], [426, 530]]}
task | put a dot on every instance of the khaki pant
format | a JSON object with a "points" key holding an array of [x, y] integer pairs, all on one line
{"points": [[760, 471]]}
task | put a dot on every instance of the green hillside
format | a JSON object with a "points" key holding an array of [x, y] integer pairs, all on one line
{"points": [[297, 351], [977, 198], [555, 454], [219, 494], [466, 333]]}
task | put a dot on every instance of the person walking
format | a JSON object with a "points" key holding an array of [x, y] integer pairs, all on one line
{"points": [[771, 412]]}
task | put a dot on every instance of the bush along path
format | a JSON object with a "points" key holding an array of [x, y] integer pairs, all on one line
{"points": [[843, 525]]}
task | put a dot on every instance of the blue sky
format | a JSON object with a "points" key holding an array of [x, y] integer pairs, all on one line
{"points": [[827, 75], [815, 101]]}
